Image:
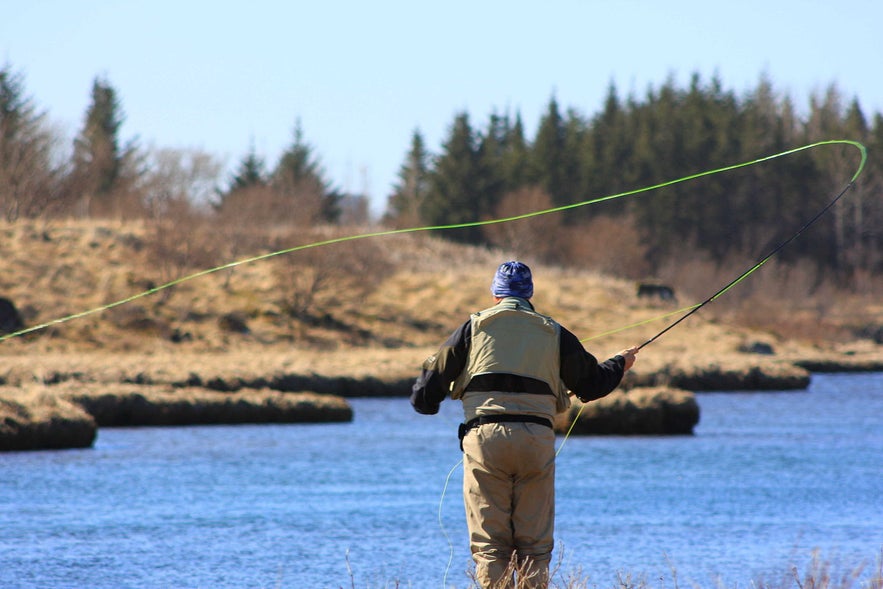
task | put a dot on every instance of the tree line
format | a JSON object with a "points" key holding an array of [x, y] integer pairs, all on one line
{"points": [[497, 169], [101, 176]]}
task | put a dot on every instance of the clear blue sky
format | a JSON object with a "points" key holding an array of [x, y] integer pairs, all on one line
{"points": [[361, 75]]}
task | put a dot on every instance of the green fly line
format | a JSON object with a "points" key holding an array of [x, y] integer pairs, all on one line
{"points": [[500, 220], [687, 310]]}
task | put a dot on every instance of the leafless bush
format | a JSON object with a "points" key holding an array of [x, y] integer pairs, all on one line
{"points": [[180, 175], [611, 245], [603, 243], [312, 282], [247, 224], [30, 154], [355, 209], [267, 205], [538, 236], [696, 276], [179, 244], [175, 195], [793, 300], [519, 574]]}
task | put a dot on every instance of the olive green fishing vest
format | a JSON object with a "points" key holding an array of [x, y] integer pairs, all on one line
{"points": [[512, 338]]}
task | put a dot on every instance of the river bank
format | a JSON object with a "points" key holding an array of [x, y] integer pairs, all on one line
{"points": [[207, 349], [369, 372], [58, 400], [68, 415]]}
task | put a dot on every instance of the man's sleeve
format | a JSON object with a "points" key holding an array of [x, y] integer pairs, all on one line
{"points": [[581, 372], [440, 370]]}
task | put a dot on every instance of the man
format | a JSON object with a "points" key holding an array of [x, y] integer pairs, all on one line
{"points": [[513, 369]]}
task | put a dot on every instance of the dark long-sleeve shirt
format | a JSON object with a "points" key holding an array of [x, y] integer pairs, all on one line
{"points": [[581, 372]]}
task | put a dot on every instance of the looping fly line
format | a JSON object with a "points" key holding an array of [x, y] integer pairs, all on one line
{"points": [[689, 310], [500, 220]]}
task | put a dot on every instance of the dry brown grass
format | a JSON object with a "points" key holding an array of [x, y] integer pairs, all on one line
{"points": [[819, 573], [31, 417], [391, 302], [34, 403]]}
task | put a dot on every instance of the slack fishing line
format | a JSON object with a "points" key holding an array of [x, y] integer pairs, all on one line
{"points": [[500, 220]]}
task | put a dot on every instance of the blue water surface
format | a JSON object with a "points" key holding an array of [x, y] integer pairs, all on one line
{"points": [[767, 479]]}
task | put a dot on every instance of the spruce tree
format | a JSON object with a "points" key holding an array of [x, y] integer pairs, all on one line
{"points": [[656, 144], [670, 133], [249, 181], [492, 147], [760, 196], [515, 159], [549, 156], [826, 120], [252, 171], [453, 195], [299, 179], [403, 205], [99, 160], [576, 146], [605, 161]]}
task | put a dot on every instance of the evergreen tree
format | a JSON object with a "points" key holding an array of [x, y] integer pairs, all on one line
{"points": [[577, 141], [670, 133], [549, 155], [759, 132], [658, 147], [708, 116], [299, 180], [858, 248], [826, 120], [454, 195], [250, 177], [252, 171], [100, 162], [873, 186], [492, 147], [603, 161], [515, 159], [769, 197], [403, 205]]}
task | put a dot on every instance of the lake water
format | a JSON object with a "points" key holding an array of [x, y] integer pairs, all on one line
{"points": [[766, 479]]}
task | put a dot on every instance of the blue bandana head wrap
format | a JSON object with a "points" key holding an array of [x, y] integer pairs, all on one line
{"points": [[513, 279]]}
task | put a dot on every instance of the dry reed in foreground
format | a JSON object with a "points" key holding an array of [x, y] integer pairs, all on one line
{"points": [[819, 573]]}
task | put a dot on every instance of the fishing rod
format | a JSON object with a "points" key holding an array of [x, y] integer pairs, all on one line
{"points": [[692, 310], [743, 275], [757, 265]]}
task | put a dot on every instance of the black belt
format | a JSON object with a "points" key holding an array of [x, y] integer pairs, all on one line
{"points": [[502, 418]]}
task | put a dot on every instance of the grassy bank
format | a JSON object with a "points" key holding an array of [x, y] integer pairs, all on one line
{"points": [[374, 307]]}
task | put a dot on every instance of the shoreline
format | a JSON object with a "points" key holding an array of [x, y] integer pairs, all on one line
{"points": [[56, 401], [369, 372]]}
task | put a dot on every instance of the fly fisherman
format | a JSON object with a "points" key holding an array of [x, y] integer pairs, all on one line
{"points": [[513, 369]]}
